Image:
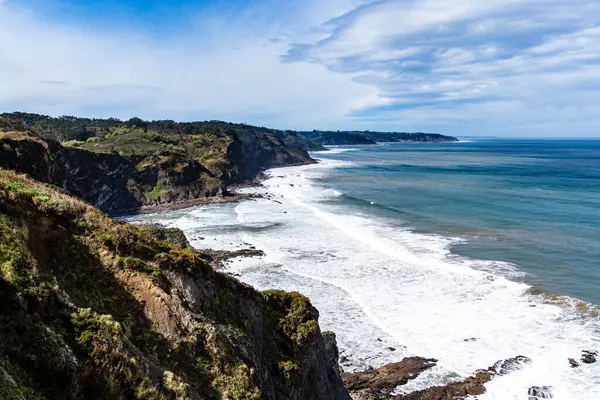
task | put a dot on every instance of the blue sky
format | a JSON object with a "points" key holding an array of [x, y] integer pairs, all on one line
{"points": [[462, 67]]}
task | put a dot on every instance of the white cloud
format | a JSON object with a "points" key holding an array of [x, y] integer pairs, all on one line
{"points": [[60, 69], [447, 65], [500, 64]]}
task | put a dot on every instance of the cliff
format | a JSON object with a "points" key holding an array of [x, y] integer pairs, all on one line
{"points": [[127, 166], [368, 137], [337, 138], [97, 309]]}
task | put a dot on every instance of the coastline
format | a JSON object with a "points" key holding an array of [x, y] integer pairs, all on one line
{"points": [[375, 352]]}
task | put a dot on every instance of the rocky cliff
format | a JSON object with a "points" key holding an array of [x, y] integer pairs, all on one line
{"points": [[128, 167], [96, 309]]}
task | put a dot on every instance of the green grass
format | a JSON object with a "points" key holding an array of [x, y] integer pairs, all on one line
{"points": [[73, 143], [156, 192]]}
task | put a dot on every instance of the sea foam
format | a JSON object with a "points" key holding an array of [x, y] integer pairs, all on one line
{"points": [[389, 292]]}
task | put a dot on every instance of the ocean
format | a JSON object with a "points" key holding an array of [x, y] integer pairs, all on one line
{"points": [[467, 252]]}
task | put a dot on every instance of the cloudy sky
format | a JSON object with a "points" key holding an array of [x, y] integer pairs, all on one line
{"points": [[462, 67]]}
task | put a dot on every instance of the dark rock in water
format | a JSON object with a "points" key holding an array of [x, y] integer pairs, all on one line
{"points": [[389, 376], [343, 359], [589, 357], [540, 392], [391, 349], [512, 364], [472, 386], [574, 364], [532, 305], [379, 340], [470, 340]]}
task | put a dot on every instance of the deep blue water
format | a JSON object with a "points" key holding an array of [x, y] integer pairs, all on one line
{"points": [[534, 203]]}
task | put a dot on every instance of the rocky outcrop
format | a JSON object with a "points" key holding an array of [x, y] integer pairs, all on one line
{"points": [[388, 377], [589, 357], [378, 384], [540, 392], [505, 367], [97, 309], [472, 386]]}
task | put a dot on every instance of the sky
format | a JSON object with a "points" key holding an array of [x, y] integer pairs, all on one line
{"points": [[518, 68]]}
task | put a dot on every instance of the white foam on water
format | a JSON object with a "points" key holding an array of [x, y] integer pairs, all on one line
{"points": [[332, 150], [380, 287]]}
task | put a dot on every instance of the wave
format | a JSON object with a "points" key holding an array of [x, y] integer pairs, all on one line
{"points": [[333, 150], [371, 279], [415, 290]]}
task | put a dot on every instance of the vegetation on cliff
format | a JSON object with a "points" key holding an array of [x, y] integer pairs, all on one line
{"points": [[97, 309], [122, 166]]}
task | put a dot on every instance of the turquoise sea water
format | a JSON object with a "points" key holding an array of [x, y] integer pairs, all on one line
{"points": [[532, 203]]}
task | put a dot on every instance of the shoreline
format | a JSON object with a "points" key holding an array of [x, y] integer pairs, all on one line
{"points": [[469, 342]]}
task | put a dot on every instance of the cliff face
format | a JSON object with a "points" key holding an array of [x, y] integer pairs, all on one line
{"points": [[96, 309], [133, 167]]}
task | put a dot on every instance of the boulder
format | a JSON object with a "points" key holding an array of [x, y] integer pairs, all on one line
{"points": [[510, 365], [573, 362], [589, 357], [540, 392]]}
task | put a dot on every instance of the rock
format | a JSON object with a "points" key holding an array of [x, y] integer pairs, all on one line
{"points": [[472, 386], [589, 357], [391, 349], [343, 359], [389, 376], [574, 364], [510, 365], [540, 392], [379, 340], [470, 340]]}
